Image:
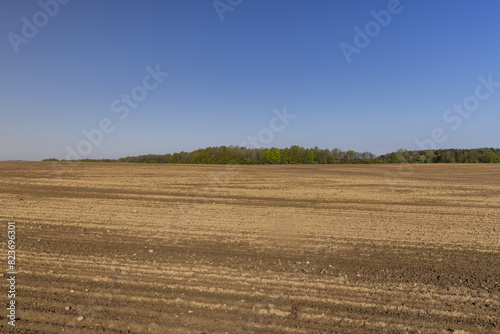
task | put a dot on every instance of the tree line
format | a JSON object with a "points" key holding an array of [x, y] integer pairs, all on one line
{"points": [[476, 155], [300, 155], [254, 156]]}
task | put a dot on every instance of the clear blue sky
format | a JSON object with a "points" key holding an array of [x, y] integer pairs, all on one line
{"points": [[226, 77]]}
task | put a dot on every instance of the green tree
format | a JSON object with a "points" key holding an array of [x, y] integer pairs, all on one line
{"points": [[175, 158], [272, 156]]}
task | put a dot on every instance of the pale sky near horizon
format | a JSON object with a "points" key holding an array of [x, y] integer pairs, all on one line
{"points": [[363, 75]]}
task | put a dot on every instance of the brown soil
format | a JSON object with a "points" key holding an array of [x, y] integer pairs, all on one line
{"points": [[140, 248]]}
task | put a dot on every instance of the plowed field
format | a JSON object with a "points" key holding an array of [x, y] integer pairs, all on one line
{"points": [[152, 248]]}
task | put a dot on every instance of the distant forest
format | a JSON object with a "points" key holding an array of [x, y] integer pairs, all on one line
{"points": [[301, 155]]}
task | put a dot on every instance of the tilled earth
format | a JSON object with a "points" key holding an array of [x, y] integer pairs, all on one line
{"points": [[153, 248]]}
